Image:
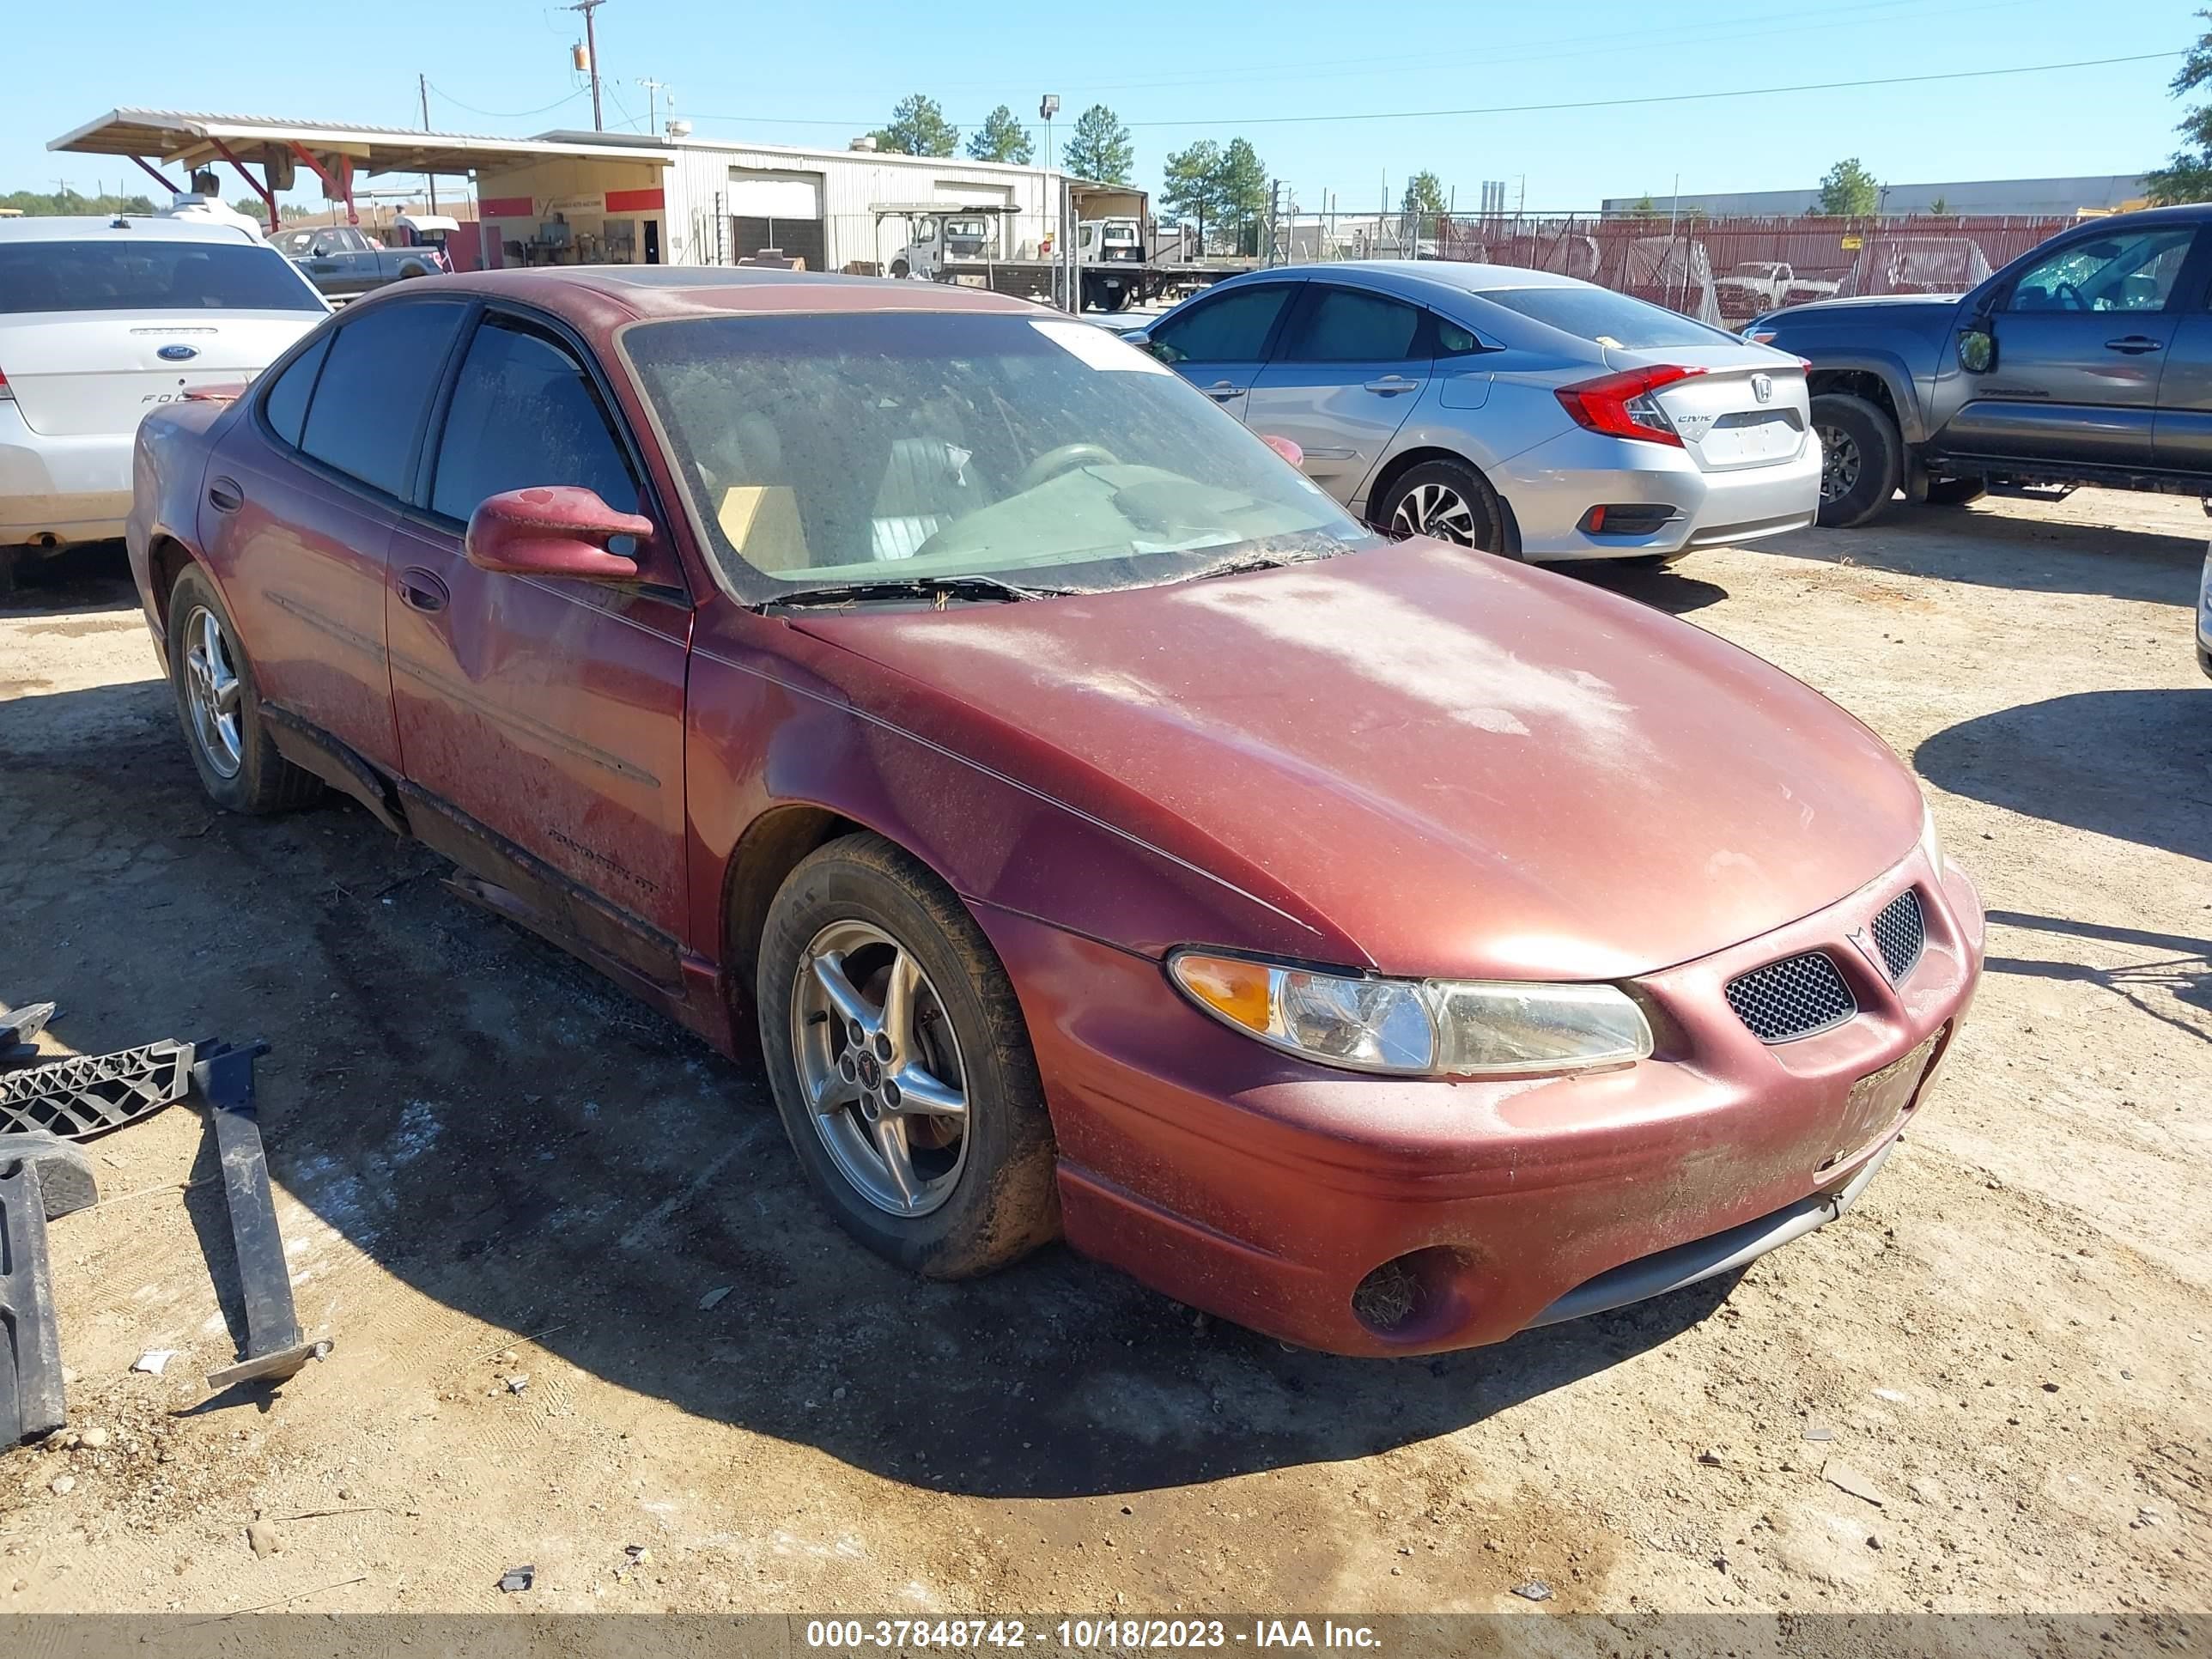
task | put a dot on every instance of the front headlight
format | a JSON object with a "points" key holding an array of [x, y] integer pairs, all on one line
{"points": [[1930, 844], [1417, 1027]]}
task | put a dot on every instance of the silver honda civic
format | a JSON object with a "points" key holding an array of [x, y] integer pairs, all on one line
{"points": [[1512, 411]]}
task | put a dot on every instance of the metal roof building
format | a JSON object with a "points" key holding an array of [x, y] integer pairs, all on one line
{"points": [[2036, 197]]}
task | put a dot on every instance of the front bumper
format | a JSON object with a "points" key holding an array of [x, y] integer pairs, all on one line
{"points": [[1266, 1190], [2205, 617], [1551, 486], [54, 491]]}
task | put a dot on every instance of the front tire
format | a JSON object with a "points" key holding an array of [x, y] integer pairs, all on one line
{"points": [[219, 708], [901, 1065], [1862, 459], [1448, 499]]}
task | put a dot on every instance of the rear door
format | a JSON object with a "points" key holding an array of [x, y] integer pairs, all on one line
{"points": [[2083, 333], [1219, 341], [301, 498], [1351, 364], [93, 333]]}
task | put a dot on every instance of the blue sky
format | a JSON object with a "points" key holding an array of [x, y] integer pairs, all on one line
{"points": [[817, 74]]}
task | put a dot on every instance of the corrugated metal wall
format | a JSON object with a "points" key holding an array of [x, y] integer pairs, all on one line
{"points": [[852, 183]]}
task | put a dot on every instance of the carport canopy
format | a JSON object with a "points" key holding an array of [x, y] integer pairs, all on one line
{"points": [[333, 151]]}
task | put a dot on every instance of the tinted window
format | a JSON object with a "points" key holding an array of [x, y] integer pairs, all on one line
{"points": [[1344, 326], [286, 405], [1600, 314], [150, 276], [1453, 341], [375, 388], [566, 439], [2126, 272], [1232, 328]]}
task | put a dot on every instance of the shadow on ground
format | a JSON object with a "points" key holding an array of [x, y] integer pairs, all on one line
{"points": [[506, 1133], [1994, 549], [1663, 588], [91, 576], [2134, 765], [2181, 969]]}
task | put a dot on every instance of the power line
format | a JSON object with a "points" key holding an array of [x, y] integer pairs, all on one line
{"points": [[508, 114]]}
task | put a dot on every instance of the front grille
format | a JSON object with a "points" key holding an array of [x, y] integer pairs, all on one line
{"points": [[1792, 999], [1899, 933]]}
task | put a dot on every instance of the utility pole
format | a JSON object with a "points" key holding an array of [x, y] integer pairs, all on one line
{"points": [[592, 58], [422, 86], [653, 89]]}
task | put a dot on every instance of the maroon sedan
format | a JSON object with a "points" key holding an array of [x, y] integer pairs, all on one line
{"points": [[1384, 946]]}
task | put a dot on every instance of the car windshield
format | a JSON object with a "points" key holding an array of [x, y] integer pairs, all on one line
{"points": [[149, 276], [1600, 314], [892, 449]]}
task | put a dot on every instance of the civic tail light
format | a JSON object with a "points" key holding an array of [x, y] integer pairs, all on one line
{"points": [[1622, 406], [7, 395]]}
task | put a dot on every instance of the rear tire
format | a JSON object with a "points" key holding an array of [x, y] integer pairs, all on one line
{"points": [[1955, 492], [1862, 459], [947, 1196], [1446, 499], [219, 708]]}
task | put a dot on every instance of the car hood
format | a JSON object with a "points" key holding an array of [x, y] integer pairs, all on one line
{"points": [[1869, 310], [1444, 763]]}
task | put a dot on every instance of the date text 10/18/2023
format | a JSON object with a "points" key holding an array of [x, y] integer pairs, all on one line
{"points": [[1082, 1635]]}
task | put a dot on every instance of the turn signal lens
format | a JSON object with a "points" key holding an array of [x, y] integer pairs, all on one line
{"points": [[1417, 1028]]}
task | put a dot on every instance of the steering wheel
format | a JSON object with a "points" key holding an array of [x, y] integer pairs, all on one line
{"points": [[1066, 459], [2068, 297]]}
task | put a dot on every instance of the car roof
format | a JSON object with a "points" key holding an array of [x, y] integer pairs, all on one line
{"points": [[663, 291], [118, 228], [1419, 279]]}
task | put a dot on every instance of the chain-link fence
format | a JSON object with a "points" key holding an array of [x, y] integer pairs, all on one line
{"points": [[1724, 271]]}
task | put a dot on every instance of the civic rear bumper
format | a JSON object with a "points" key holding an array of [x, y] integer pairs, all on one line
{"points": [[1279, 1194], [1553, 485]]}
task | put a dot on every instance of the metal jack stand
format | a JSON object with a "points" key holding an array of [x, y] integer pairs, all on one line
{"points": [[223, 1077], [41, 1178]]}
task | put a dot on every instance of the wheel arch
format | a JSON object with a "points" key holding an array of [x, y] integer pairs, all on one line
{"points": [[1399, 465], [167, 559], [1878, 383], [766, 853]]}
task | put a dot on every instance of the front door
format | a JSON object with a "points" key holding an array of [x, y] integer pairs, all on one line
{"points": [[1352, 365], [1219, 341], [2082, 337], [541, 721]]}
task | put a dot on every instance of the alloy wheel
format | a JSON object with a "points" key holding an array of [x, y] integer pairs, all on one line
{"points": [[1434, 509], [213, 692], [880, 1068], [1839, 462]]}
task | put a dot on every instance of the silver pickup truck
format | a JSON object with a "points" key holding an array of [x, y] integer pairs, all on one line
{"points": [[343, 261]]}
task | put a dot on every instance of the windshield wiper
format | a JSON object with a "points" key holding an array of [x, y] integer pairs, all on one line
{"points": [[939, 588]]}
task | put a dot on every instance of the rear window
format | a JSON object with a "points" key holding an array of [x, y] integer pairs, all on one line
{"points": [[149, 276], [1600, 314]]}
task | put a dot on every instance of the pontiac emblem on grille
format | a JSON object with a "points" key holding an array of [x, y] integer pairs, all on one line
{"points": [[1762, 387], [1865, 947]]}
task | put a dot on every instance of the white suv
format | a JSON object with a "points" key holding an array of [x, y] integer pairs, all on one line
{"points": [[102, 320]]}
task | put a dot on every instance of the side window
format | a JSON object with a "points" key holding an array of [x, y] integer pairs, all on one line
{"points": [[1344, 326], [285, 406], [376, 386], [567, 438], [2131, 271], [1232, 328], [1455, 341]]}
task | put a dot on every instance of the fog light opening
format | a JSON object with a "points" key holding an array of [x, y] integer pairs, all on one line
{"points": [[1417, 1297], [1627, 518]]}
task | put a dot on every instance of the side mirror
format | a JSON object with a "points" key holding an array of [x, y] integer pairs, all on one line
{"points": [[1285, 448], [1978, 349], [559, 530]]}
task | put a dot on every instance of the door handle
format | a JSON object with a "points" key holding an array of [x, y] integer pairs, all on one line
{"points": [[2135, 344], [224, 494], [421, 590], [1222, 391], [1390, 384]]}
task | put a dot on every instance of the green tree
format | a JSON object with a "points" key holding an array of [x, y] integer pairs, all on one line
{"points": [[45, 204], [918, 127], [1644, 208], [1849, 191], [2187, 176], [1242, 195], [1425, 194], [1190, 185], [1940, 208], [1001, 138], [1099, 149]]}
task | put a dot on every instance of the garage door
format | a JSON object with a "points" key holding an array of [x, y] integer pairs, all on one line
{"points": [[780, 210], [796, 239]]}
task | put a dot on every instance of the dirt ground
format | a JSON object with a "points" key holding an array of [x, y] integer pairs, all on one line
{"points": [[512, 1199]]}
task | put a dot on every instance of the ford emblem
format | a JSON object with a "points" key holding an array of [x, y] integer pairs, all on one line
{"points": [[1762, 386], [178, 354]]}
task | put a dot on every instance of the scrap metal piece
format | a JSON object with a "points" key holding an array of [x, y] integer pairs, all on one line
{"points": [[223, 1076], [39, 1177], [18, 1026], [86, 1095]]}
